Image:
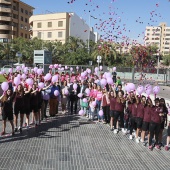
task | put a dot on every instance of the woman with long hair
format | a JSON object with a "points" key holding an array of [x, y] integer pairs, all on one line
{"points": [[7, 109], [119, 110], [146, 120], [19, 107], [140, 114]]}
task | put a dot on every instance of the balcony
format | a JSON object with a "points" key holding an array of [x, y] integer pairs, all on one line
{"points": [[5, 2], [4, 35], [5, 18], [5, 27], [2, 9]]}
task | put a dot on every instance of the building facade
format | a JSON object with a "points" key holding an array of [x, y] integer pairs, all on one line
{"points": [[14, 19], [59, 26], [160, 36]]}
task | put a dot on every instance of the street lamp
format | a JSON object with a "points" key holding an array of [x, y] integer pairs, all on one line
{"points": [[42, 38], [160, 47]]}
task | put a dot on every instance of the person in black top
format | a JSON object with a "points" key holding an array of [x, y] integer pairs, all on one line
{"points": [[19, 107], [73, 96], [7, 109]]}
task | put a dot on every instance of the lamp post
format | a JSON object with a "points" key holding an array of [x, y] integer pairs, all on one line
{"points": [[42, 38], [19, 55]]}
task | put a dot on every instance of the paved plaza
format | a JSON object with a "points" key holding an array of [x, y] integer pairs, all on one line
{"points": [[72, 143]]}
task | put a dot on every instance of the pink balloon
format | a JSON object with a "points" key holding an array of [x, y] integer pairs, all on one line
{"points": [[89, 71], [48, 76], [66, 67], [109, 80], [85, 100], [10, 70], [101, 113], [19, 76], [140, 89], [39, 71], [59, 65], [41, 85], [5, 86], [96, 69], [114, 69], [74, 86], [81, 112], [80, 95], [23, 76], [29, 81], [103, 82], [83, 74], [87, 91], [108, 74], [66, 92], [77, 67], [54, 78], [94, 103], [56, 92], [23, 66], [148, 92], [55, 65], [51, 66], [127, 88], [35, 69], [71, 68], [131, 86], [148, 87], [17, 81], [156, 90], [18, 68]]}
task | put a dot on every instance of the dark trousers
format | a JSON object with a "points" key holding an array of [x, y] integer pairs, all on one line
{"points": [[73, 102], [116, 116], [154, 129], [45, 107], [133, 124], [106, 111]]}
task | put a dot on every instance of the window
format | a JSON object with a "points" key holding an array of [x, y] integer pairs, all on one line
{"points": [[26, 20], [26, 36], [39, 34], [166, 47], [26, 12], [22, 10], [39, 25], [21, 34], [167, 34], [167, 38], [167, 29], [22, 19], [148, 29], [15, 16], [147, 33], [49, 34], [49, 24], [26, 28], [30, 13], [157, 34], [22, 26], [152, 38], [60, 23], [60, 34]]}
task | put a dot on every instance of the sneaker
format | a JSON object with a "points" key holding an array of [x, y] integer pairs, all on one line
{"points": [[111, 129], [20, 129], [130, 137], [166, 148], [16, 129], [27, 127], [141, 141], [87, 116], [150, 148], [124, 130], [137, 140], [115, 131], [157, 147], [104, 122]]}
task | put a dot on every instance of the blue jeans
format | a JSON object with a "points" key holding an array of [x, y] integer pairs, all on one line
{"points": [[98, 103]]}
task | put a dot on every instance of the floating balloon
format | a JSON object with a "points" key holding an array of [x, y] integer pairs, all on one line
{"points": [[56, 92], [5, 86], [48, 76], [156, 90], [39, 71], [101, 113], [23, 76], [54, 78], [101, 68], [87, 91], [109, 80], [75, 86], [41, 85], [80, 95], [71, 69], [94, 104], [29, 81], [66, 92], [10, 70], [140, 89], [114, 69], [17, 81], [81, 112], [85, 100], [131, 86], [103, 82], [35, 69]]}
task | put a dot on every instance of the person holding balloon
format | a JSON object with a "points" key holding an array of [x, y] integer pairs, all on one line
{"points": [[7, 107], [168, 130]]}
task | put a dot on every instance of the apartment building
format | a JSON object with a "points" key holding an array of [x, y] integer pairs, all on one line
{"points": [[59, 26], [14, 19], [159, 35]]}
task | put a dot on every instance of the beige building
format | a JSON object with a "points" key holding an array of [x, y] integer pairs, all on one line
{"points": [[159, 35], [59, 26], [14, 19]]}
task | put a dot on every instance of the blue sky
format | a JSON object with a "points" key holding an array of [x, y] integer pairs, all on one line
{"points": [[121, 18]]}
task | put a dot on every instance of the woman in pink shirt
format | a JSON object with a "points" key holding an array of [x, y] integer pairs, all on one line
{"points": [[98, 99]]}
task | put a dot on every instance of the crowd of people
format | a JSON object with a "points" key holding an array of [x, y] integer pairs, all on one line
{"points": [[97, 97]]}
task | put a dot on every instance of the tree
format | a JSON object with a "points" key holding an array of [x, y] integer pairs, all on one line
{"points": [[166, 60]]}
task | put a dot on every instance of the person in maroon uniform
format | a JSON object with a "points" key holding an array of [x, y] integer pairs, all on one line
{"points": [[140, 114], [155, 124], [146, 120], [112, 108], [133, 125], [119, 110]]}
